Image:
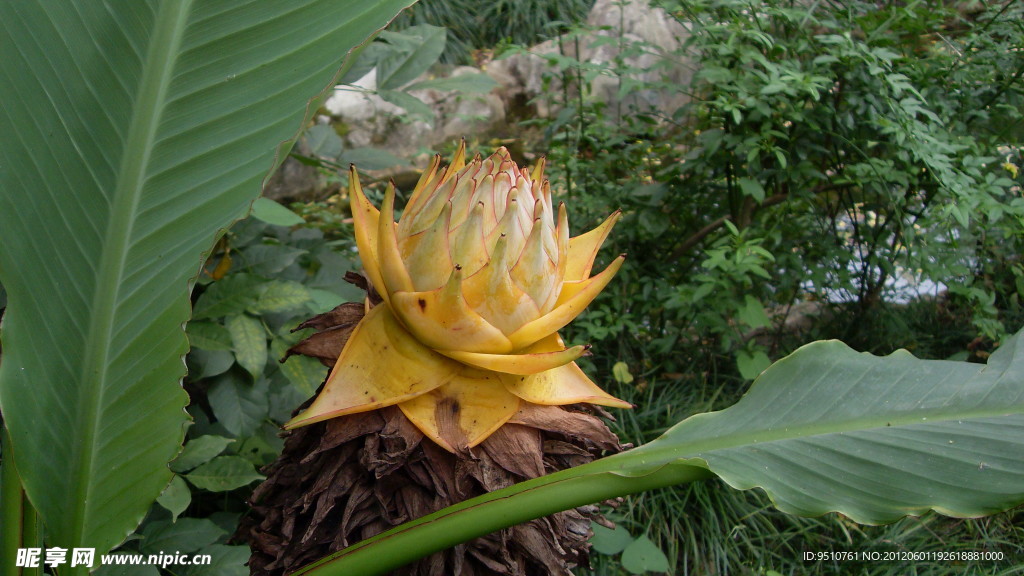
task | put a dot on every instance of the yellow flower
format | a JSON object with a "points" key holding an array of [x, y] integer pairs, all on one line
{"points": [[477, 277]]}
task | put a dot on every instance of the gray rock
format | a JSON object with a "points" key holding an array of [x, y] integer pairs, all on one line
{"points": [[372, 121], [293, 181]]}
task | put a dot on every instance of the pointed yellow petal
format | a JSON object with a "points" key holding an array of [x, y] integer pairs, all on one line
{"points": [[423, 186], [442, 319], [506, 210], [572, 290], [392, 269], [534, 272], [381, 365], [426, 255], [495, 297], [458, 162], [574, 298], [583, 249], [525, 363], [469, 247], [365, 216], [426, 211], [463, 412], [562, 256], [560, 386], [538, 171], [463, 192]]}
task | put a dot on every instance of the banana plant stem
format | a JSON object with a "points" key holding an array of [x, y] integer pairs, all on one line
{"points": [[19, 526], [535, 498]]}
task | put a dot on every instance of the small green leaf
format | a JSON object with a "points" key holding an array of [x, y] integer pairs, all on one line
{"points": [[418, 48], [752, 363], [238, 405], [262, 447], [224, 561], [223, 473], [780, 156], [752, 313], [249, 341], [185, 536], [303, 372], [206, 364], [609, 541], [272, 213], [324, 300], [411, 104], [280, 296], [208, 336], [752, 188], [643, 556], [176, 497], [365, 62], [199, 451], [621, 373], [774, 87], [268, 260], [232, 295], [323, 141], [702, 291]]}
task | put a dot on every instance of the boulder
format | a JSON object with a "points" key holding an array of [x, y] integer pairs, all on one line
{"points": [[634, 23]]}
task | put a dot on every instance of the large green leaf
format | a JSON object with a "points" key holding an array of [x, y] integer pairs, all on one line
{"points": [[825, 429], [134, 131], [830, 429]]}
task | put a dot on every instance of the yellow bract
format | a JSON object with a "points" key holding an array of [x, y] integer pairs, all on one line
{"points": [[477, 277]]}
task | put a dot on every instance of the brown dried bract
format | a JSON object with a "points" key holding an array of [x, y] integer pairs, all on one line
{"points": [[350, 478], [333, 330]]}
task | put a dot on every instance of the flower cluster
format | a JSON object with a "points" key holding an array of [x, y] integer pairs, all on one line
{"points": [[477, 277]]}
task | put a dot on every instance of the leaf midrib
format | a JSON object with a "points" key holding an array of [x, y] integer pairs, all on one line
{"points": [[666, 449], [157, 74]]}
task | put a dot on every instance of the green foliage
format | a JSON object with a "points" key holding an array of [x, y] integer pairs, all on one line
{"points": [[832, 156], [639, 554], [837, 155], [480, 25]]}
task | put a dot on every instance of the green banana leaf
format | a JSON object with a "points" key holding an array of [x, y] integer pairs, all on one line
{"points": [[134, 133], [824, 429]]}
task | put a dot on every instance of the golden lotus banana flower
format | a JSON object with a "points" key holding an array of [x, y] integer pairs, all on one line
{"points": [[477, 277]]}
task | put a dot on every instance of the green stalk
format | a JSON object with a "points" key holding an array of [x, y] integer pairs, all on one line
{"points": [[10, 508], [594, 482], [19, 525], [31, 534]]}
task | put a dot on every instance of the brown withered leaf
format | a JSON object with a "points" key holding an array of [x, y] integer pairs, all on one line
{"points": [[333, 330], [324, 346], [346, 479], [347, 314]]}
